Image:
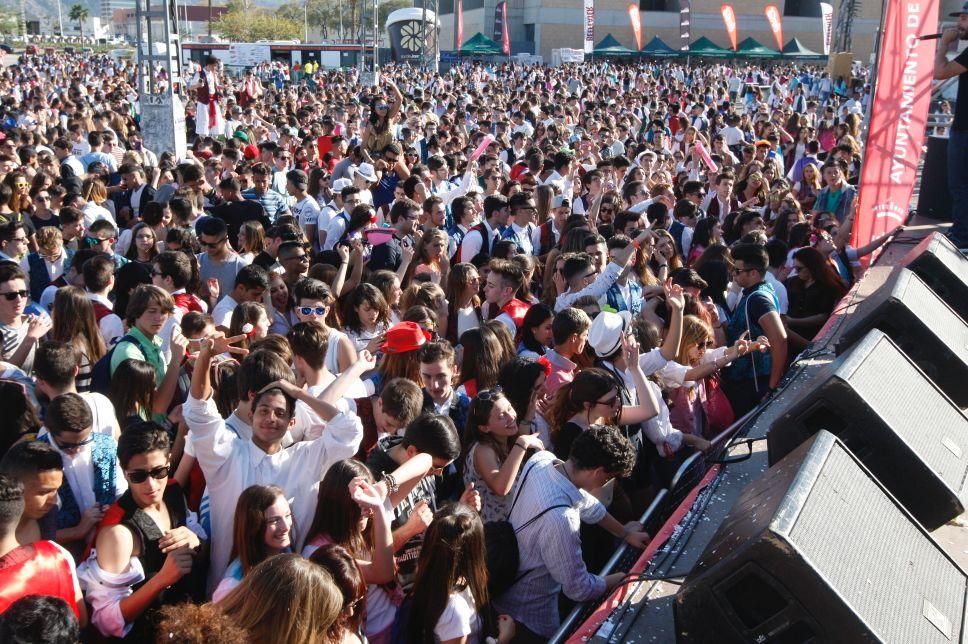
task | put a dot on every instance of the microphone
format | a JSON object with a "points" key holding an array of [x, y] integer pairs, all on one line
{"points": [[930, 36]]}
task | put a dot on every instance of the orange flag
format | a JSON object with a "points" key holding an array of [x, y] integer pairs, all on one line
{"points": [[729, 18], [776, 24]]}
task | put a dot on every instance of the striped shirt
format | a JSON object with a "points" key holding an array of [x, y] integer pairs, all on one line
{"points": [[272, 202]]}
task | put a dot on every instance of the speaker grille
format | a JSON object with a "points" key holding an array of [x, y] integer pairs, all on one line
{"points": [[884, 567], [908, 402]]}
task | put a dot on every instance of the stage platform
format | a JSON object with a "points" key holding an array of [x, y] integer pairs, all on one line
{"points": [[702, 494]]}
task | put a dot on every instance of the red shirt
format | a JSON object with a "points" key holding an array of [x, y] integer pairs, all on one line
{"points": [[39, 568]]}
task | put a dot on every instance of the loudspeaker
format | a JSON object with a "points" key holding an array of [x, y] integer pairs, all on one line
{"points": [[816, 550], [939, 263], [934, 198], [902, 308], [895, 420]]}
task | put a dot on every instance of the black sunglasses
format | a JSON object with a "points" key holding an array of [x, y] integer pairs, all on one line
{"points": [[157, 473], [10, 296], [214, 244]]}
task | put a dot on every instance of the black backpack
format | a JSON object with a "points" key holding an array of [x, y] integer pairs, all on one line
{"points": [[501, 544], [101, 371]]}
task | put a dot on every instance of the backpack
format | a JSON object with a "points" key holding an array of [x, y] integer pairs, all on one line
{"points": [[101, 371], [501, 545]]}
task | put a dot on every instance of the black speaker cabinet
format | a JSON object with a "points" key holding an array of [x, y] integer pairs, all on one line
{"points": [[934, 198], [895, 420], [933, 336], [816, 550], [940, 265]]}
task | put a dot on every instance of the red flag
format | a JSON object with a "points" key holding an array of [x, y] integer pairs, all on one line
{"points": [[505, 38], [776, 24], [729, 17], [459, 27], [636, 20], [897, 122]]}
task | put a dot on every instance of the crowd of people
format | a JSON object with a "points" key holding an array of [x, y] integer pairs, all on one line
{"points": [[389, 364]]}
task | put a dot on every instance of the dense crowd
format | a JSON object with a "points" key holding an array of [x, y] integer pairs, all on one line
{"points": [[391, 364]]}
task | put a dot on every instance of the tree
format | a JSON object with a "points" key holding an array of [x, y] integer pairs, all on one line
{"points": [[79, 13], [9, 22], [248, 24]]}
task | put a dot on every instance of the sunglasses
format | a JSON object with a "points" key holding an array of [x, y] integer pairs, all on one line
{"points": [[310, 310], [66, 447], [214, 244], [490, 394], [97, 240], [10, 296], [140, 476]]}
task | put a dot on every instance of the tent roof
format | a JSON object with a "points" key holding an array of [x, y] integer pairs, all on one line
{"points": [[753, 49], [480, 45], [705, 47], [610, 46], [657, 47], [796, 48]]}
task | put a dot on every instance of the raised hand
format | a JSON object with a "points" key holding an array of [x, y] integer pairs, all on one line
{"points": [[219, 343]]}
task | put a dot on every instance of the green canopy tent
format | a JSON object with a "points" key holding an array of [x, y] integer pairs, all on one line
{"points": [[656, 48], [796, 49], [611, 47], [750, 48], [706, 48], [480, 45]]}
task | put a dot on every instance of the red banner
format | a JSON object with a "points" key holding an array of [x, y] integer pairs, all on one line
{"points": [[636, 19], [729, 18], [897, 122], [505, 38], [776, 24], [459, 27]]}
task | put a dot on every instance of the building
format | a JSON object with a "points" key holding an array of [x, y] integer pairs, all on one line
{"points": [[538, 26], [192, 21], [108, 7]]}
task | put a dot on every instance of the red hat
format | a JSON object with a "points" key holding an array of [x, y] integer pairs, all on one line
{"points": [[404, 337]]}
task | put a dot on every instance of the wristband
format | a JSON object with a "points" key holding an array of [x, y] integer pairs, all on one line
{"points": [[392, 486]]}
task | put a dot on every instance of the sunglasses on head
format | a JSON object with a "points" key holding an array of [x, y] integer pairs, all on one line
{"points": [[140, 476], [310, 310]]}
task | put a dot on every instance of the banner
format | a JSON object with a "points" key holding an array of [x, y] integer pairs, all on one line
{"points": [[898, 115], [685, 24], [636, 19], [459, 26], [505, 38], [729, 19], [776, 24], [827, 24], [589, 26], [498, 34]]}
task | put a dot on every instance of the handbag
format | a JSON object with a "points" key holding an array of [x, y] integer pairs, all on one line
{"points": [[719, 411]]}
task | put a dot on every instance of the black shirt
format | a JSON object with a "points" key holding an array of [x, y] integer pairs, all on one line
{"points": [[235, 213], [380, 462], [386, 256], [961, 107]]}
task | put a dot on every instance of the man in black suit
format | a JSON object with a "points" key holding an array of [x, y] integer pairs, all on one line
{"points": [[136, 195]]}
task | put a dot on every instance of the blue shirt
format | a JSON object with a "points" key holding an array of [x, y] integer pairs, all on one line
{"points": [[272, 202]]}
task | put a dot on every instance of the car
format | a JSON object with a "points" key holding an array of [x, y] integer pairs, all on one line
{"points": [[5, 48], [31, 50]]}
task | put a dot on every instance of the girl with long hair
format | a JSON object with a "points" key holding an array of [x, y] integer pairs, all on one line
{"points": [[808, 187], [350, 513], [494, 451], [252, 315], [814, 292], [463, 296], [144, 244], [708, 231], [348, 577], [285, 599], [280, 304], [430, 295], [366, 317], [96, 204], [262, 528], [665, 258], [252, 240], [132, 392], [450, 591], [74, 322], [430, 257], [379, 130], [481, 360], [389, 285], [534, 337]]}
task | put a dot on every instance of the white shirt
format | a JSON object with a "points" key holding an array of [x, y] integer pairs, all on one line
{"points": [[136, 200], [474, 242], [231, 464], [222, 313], [110, 326], [337, 226], [93, 212], [79, 474], [598, 288], [307, 211], [459, 619]]}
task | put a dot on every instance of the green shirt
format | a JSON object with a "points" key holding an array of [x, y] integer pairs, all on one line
{"points": [[136, 351]]}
